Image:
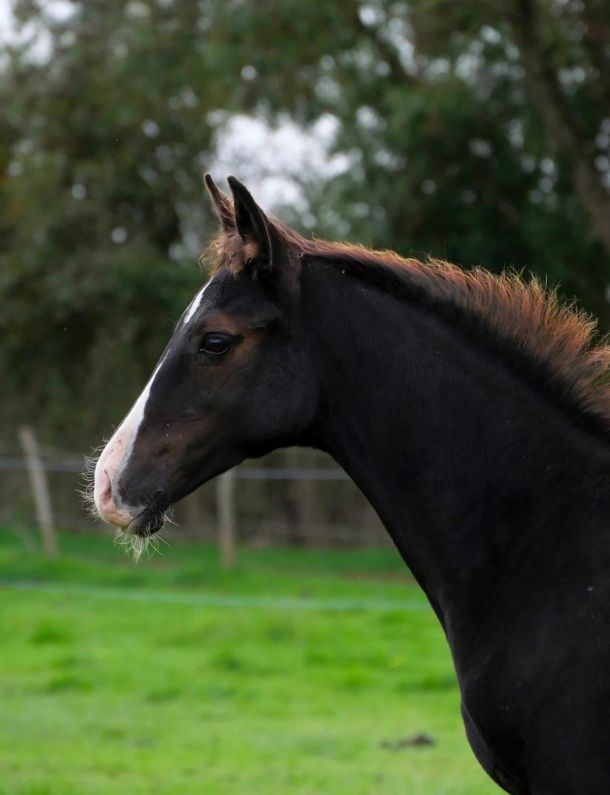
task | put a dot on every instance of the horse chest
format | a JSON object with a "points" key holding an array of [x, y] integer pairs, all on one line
{"points": [[500, 752]]}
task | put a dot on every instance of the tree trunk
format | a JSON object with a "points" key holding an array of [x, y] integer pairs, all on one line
{"points": [[562, 128]]}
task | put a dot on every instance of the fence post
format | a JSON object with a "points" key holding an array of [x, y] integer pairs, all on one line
{"points": [[40, 489], [225, 497]]}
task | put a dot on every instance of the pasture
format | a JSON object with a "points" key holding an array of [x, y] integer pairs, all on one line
{"points": [[301, 672]]}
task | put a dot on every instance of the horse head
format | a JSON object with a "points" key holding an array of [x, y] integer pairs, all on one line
{"points": [[235, 380]]}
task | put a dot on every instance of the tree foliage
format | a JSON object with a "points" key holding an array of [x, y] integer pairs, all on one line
{"points": [[475, 131]]}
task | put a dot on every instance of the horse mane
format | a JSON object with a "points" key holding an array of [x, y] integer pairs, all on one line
{"points": [[557, 339]]}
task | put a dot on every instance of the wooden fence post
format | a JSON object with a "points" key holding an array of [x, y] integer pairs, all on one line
{"points": [[40, 489], [225, 498]]}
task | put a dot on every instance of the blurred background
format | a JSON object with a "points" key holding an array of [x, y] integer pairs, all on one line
{"points": [[476, 131]]}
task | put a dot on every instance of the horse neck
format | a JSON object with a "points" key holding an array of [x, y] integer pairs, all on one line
{"points": [[478, 476]]}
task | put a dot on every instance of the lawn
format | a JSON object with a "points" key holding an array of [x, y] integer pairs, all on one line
{"points": [[299, 673]]}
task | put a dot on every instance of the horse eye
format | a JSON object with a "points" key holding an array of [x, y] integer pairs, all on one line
{"points": [[216, 344]]}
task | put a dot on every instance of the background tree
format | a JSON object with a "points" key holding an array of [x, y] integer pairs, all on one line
{"points": [[476, 131]]}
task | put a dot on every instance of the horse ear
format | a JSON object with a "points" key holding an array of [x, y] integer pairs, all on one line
{"points": [[222, 204], [253, 227]]}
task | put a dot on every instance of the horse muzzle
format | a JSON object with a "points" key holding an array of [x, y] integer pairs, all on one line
{"points": [[113, 510]]}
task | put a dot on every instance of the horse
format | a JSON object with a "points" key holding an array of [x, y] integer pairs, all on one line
{"points": [[473, 412]]}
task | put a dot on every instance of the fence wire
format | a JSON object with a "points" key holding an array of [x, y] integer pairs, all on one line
{"points": [[274, 504]]}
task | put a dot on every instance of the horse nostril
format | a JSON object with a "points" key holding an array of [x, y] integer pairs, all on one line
{"points": [[157, 495], [106, 489]]}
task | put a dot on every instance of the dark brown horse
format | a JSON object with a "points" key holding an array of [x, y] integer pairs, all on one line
{"points": [[472, 410]]}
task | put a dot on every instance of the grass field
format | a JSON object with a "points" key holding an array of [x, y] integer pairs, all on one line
{"points": [[299, 673]]}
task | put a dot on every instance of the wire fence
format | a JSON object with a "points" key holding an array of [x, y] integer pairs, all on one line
{"points": [[76, 465], [294, 497]]}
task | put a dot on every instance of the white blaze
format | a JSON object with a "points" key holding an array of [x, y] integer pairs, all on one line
{"points": [[194, 305], [116, 453]]}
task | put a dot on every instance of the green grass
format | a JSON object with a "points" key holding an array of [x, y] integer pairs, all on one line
{"points": [[118, 678]]}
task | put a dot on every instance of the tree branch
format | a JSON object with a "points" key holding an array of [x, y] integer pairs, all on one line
{"points": [[386, 50], [596, 41], [562, 128]]}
